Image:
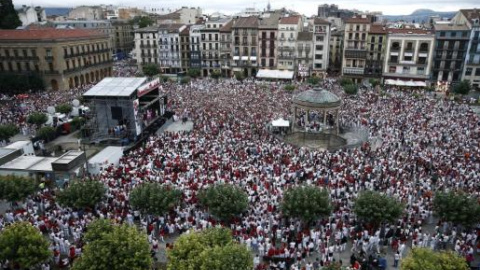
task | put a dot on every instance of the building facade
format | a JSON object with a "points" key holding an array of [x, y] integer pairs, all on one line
{"points": [[210, 45], [409, 56], [146, 46], [226, 49], [64, 58], [195, 43], [288, 28], [29, 15], [355, 47], [169, 47], [123, 36], [321, 45], [185, 49], [267, 40], [377, 40], [471, 70], [450, 52], [335, 54], [245, 45], [304, 54], [86, 13], [103, 26]]}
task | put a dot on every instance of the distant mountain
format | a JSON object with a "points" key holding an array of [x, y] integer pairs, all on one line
{"points": [[57, 11], [419, 16]]}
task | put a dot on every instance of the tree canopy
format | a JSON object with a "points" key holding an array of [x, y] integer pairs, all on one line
{"points": [[8, 15], [64, 108], [216, 73], [13, 83], [82, 194], [23, 245], [155, 199], [239, 75], [314, 80], [7, 131], [37, 118], [427, 259], [114, 247], [210, 249], [307, 203], [194, 72], [457, 208], [15, 188], [224, 201], [375, 208], [351, 89], [150, 70], [46, 133], [462, 88]]}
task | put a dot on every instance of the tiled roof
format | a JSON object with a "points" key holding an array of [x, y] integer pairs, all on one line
{"points": [[377, 29], [320, 21], [408, 31], [246, 22], [357, 20], [49, 34], [148, 29], [305, 36], [227, 27], [471, 14], [174, 27], [185, 31], [290, 20]]}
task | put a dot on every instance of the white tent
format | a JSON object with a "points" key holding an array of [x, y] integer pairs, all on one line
{"points": [[275, 74], [410, 83], [280, 122]]}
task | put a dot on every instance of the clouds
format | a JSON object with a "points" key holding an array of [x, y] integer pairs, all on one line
{"points": [[307, 7]]}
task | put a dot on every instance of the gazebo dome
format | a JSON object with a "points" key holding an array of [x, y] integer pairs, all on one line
{"points": [[317, 98]]}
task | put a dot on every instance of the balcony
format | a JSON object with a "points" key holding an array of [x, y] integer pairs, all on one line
{"points": [[49, 58], [285, 56], [354, 70], [395, 49], [356, 53], [148, 46]]}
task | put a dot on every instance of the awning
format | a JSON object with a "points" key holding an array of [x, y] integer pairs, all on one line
{"points": [[275, 74], [280, 122], [244, 58], [421, 84], [236, 57], [410, 83], [253, 58]]}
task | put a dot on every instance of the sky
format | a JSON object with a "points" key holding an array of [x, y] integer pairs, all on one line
{"points": [[306, 7]]}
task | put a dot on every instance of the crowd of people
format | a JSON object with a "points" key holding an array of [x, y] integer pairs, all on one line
{"points": [[425, 144]]}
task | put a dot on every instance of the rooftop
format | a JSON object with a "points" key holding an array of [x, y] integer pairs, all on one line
{"points": [[68, 157], [358, 20], [31, 163], [290, 20], [317, 98], [246, 22], [320, 21], [377, 29], [227, 27], [116, 87], [49, 34], [148, 29], [450, 27], [307, 36], [409, 31], [471, 14]]}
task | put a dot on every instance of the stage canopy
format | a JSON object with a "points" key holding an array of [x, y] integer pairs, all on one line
{"points": [[280, 122], [275, 74], [405, 83]]}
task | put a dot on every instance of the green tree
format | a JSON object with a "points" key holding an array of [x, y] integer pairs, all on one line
{"points": [[345, 81], [427, 259], [216, 73], [97, 229], [20, 83], [8, 131], [314, 80], [8, 15], [210, 249], [37, 118], [145, 21], [375, 208], [82, 194], [458, 208], [150, 70], [78, 122], [194, 72], [289, 87], [239, 75], [185, 80], [374, 82], [462, 88], [152, 198], [64, 108], [224, 201], [118, 247], [307, 203], [23, 245], [46, 133], [350, 89], [15, 188]]}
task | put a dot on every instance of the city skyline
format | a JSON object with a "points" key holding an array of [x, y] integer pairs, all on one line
{"points": [[306, 7]]}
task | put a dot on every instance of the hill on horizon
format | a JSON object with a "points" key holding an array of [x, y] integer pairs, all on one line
{"points": [[419, 15]]}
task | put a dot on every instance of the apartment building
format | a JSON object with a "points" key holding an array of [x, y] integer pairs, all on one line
{"points": [[64, 58], [450, 52], [103, 26], [321, 44], [210, 45], [123, 36], [409, 57], [226, 49], [288, 28], [169, 53], [185, 49], [335, 54], [245, 45], [377, 40], [195, 45], [304, 54], [355, 47], [267, 40], [146, 46], [471, 70]]}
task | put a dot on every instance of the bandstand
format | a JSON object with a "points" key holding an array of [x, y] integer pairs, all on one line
{"points": [[325, 103]]}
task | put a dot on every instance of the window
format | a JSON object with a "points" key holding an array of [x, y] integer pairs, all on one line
{"points": [[34, 53], [442, 33], [271, 62], [15, 53], [319, 38], [407, 58], [264, 62], [318, 56], [318, 65], [25, 53], [420, 71], [392, 69], [7, 53], [406, 70], [19, 66], [380, 39], [477, 72], [468, 72], [372, 39], [319, 47]]}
